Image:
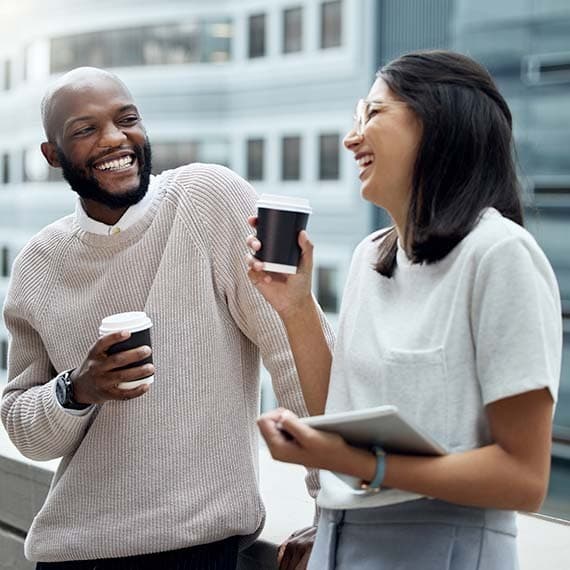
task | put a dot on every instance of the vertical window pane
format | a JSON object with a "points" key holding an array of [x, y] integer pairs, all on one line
{"points": [[7, 75], [257, 35], [216, 41], [327, 292], [291, 158], [331, 27], [35, 166], [255, 159], [4, 261], [3, 354], [293, 30], [329, 157], [5, 168]]}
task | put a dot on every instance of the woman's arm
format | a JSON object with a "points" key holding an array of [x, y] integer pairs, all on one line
{"points": [[312, 355], [510, 474], [291, 297]]}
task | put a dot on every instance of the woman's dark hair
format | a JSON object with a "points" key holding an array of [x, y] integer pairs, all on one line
{"points": [[464, 161]]}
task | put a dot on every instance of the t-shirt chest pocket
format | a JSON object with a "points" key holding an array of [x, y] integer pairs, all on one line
{"points": [[416, 382]]}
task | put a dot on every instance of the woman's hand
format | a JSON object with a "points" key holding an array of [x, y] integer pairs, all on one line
{"points": [[292, 441], [287, 294]]}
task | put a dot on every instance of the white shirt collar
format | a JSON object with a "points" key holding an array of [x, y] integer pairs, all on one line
{"points": [[132, 215]]}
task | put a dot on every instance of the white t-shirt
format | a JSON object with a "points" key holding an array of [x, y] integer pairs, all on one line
{"points": [[441, 341]]}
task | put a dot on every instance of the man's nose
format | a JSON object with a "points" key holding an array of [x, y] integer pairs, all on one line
{"points": [[352, 139], [111, 136]]}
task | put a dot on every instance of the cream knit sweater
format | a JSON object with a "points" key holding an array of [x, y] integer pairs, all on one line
{"points": [[177, 466]]}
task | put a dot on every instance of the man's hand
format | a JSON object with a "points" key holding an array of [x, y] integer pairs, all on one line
{"points": [[294, 553], [96, 380]]}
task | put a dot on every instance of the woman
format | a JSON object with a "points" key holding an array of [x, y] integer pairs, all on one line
{"points": [[453, 315]]}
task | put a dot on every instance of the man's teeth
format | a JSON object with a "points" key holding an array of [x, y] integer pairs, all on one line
{"points": [[116, 164], [365, 160]]}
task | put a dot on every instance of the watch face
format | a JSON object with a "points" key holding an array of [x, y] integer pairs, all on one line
{"points": [[61, 391]]}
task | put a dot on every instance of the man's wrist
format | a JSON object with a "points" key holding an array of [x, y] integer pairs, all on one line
{"points": [[65, 392], [78, 396]]}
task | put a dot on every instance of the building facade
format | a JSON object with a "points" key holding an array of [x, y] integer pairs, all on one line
{"points": [[264, 87], [526, 47]]}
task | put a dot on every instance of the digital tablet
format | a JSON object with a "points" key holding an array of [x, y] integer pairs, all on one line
{"points": [[384, 426]]}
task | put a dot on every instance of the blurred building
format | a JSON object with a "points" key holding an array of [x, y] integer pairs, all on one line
{"points": [[526, 47], [264, 87]]}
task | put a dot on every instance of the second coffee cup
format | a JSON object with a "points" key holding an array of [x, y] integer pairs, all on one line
{"points": [[139, 325], [279, 221]]}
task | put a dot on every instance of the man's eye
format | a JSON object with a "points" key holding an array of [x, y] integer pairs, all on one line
{"points": [[130, 120], [82, 132]]}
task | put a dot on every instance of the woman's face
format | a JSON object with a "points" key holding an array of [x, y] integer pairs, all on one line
{"points": [[384, 141]]}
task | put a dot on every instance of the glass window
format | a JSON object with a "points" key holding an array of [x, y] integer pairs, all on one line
{"points": [[291, 158], [4, 261], [331, 24], [257, 25], [327, 292], [35, 165], [292, 30], [169, 155], [255, 148], [216, 41], [164, 45], [329, 160], [6, 75], [5, 168], [166, 156], [3, 354], [186, 42]]}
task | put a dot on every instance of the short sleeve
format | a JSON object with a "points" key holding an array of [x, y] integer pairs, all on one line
{"points": [[516, 321]]}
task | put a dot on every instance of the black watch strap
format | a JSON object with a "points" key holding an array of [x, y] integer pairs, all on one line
{"points": [[64, 392]]}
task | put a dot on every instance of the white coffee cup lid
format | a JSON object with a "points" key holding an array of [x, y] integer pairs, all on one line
{"points": [[287, 203], [134, 321]]}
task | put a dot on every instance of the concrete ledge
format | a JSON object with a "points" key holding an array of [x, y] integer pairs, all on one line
{"points": [[25, 487], [11, 552]]}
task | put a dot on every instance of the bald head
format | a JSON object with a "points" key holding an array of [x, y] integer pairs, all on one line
{"points": [[66, 87]]}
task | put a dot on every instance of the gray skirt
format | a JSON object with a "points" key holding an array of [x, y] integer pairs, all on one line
{"points": [[424, 534]]}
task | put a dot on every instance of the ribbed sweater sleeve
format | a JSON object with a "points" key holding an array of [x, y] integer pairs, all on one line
{"points": [[223, 206], [36, 424]]}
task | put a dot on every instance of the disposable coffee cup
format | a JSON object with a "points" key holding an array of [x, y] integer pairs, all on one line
{"points": [[279, 221], [139, 325]]}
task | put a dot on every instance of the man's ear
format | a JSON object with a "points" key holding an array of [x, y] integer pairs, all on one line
{"points": [[50, 154]]}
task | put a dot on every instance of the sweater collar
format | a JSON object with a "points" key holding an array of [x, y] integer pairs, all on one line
{"points": [[132, 215]]}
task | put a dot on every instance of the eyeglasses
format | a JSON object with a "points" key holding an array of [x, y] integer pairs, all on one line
{"points": [[366, 109]]}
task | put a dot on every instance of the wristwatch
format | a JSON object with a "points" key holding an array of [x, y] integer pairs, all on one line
{"points": [[64, 392]]}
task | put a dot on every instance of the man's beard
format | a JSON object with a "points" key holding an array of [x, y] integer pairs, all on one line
{"points": [[89, 188]]}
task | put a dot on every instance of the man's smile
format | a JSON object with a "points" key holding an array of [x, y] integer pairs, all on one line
{"points": [[122, 162]]}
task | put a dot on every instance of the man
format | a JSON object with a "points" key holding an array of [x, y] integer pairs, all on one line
{"points": [[159, 476]]}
